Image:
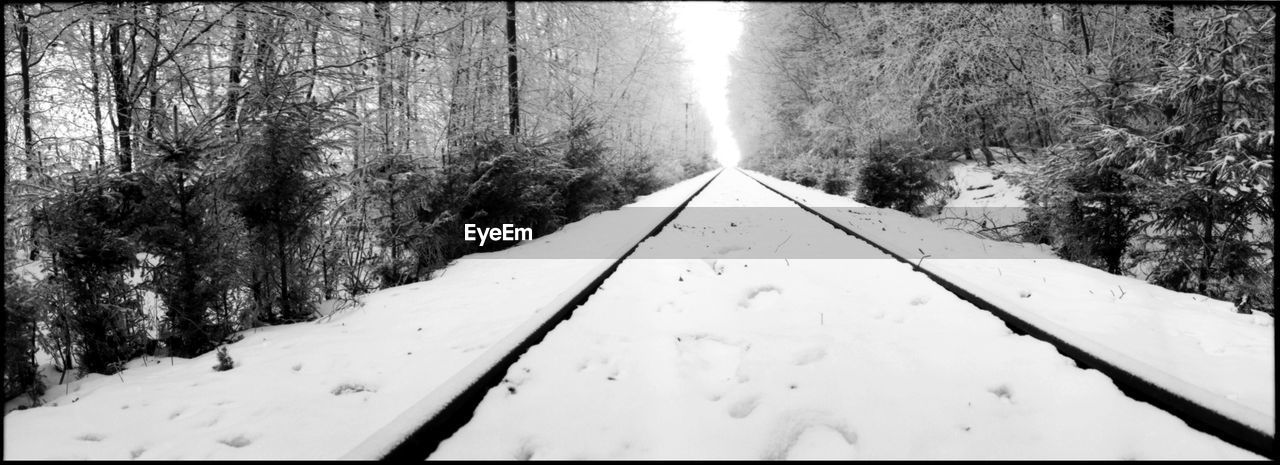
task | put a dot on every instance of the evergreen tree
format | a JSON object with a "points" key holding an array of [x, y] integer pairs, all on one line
{"points": [[1210, 161], [22, 306], [891, 179], [193, 237], [278, 197], [90, 234]]}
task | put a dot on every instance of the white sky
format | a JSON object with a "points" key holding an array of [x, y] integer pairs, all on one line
{"points": [[710, 31]]}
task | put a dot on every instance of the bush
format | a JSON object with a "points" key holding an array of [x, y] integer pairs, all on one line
{"points": [[90, 235], [224, 360], [521, 185], [1088, 214], [278, 198], [182, 225], [23, 309], [892, 180], [592, 188], [835, 182]]}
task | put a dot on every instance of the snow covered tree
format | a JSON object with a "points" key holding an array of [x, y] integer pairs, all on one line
{"points": [[1210, 161], [23, 311], [194, 235], [278, 197], [894, 178], [90, 234]]}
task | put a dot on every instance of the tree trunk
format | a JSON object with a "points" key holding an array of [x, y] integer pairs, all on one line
{"points": [[233, 75], [95, 89], [1207, 252], [381, 13], [513, 83], [24, 65], [153, 87], [283, 258], [124, 105]]}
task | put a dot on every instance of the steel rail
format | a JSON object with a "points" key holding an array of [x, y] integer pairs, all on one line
{"points": [[419, 430], [1195, 414]]}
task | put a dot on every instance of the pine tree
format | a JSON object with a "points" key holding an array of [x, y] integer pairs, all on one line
{"points": [[278, 197], [1210, 160], [183, 225], [890, 179], [91, 236]]}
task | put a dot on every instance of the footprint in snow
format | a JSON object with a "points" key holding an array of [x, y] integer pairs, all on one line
{"points": [[744, 407], [760, 295], [525, 451], [90, 437], [237, 441], [1002, 391], [811, 434], [710, 360], [350, 388], [810, 355]]}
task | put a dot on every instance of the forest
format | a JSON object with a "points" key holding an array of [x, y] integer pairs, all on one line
{"points": [[178, 172], [1150, 127]]}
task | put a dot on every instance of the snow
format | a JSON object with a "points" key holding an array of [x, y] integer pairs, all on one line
{"points": [[984, 197], [971, 177], [734, 358], [1194, 346], [314, 390], [698, 348]]}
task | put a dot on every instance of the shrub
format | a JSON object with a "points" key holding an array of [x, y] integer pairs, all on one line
{"points": [[637, 177], [224, 360], [278, 198], [1088, 214], [891, 180], [592, 188], [90, 234], [835, 182], [23, 309], [182, 225]]}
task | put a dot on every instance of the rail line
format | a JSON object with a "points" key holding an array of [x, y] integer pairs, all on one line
{"points": [[418, 432], [1194, 414]]}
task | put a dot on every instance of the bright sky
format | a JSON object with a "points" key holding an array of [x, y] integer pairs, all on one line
{"points": [[710, 31]]}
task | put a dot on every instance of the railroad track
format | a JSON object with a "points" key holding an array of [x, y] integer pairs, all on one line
{"points": [[418, 432], [1202, 418]]}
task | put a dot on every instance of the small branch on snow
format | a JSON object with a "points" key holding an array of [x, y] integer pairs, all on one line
{"points": [[784, 241]]}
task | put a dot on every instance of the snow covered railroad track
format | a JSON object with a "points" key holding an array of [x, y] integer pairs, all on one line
{"points": [[733, 357], [1188, 402], [418, 431]]}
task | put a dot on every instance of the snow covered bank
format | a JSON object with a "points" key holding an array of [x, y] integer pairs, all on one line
{"points": [[984, 197], [730, 358], [312, 390], [1195, 347]]}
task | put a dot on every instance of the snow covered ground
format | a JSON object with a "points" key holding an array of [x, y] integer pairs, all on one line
{"points": [[722, 357], [316, 390], [984, 197], [1197, 347], [731, 358]]}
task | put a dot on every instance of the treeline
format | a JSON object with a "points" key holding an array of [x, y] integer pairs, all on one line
{"points": [[1155, 123], [245, 162]]}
